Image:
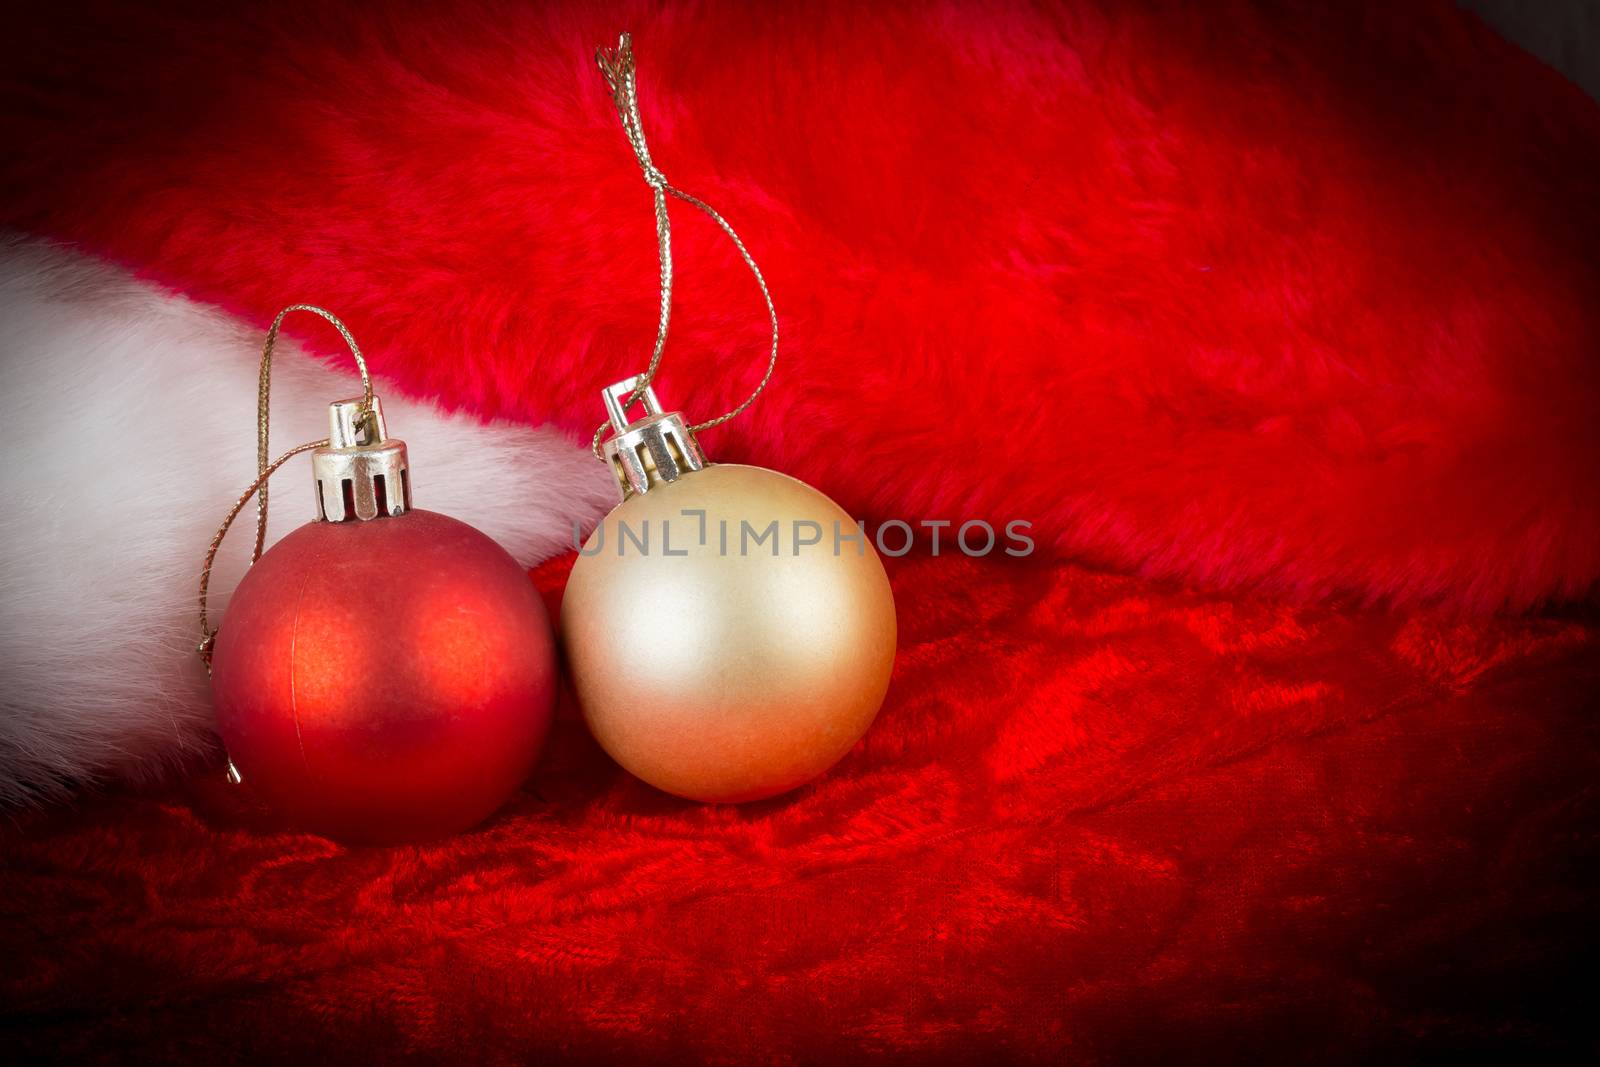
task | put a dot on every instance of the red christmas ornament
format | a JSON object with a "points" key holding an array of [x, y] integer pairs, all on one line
{"points": [[381, 674]]}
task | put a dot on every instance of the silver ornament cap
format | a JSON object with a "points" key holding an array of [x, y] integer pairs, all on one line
{"points": [[361, 473], [651, 450]]}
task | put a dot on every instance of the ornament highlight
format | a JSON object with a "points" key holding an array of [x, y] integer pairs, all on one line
{"points": [[729, 631], [382, 674]]}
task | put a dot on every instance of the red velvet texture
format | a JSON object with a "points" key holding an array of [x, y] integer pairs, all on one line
{"points": [[1097, 819], [1295, 295]]}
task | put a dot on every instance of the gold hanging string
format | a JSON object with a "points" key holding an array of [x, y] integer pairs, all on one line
{"points": [[209, 636], [264, 469], [617, 66], [263, 392]]}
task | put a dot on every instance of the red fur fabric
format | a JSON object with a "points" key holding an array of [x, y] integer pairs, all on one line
{"points": [[1295, 295], [1098, 820]]}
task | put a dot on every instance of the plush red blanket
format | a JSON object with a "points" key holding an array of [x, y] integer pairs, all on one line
{"points": [[1097, 817]]}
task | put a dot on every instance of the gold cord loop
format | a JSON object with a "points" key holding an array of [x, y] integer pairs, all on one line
{"points": [[263, 393], [617, 66], [265, 469]]}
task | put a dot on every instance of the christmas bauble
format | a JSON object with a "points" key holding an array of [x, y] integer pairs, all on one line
{"points": [[384, 678], [729, 630]]}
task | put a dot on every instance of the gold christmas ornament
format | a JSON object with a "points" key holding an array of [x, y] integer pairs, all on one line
{"points": [[730, 631]]}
